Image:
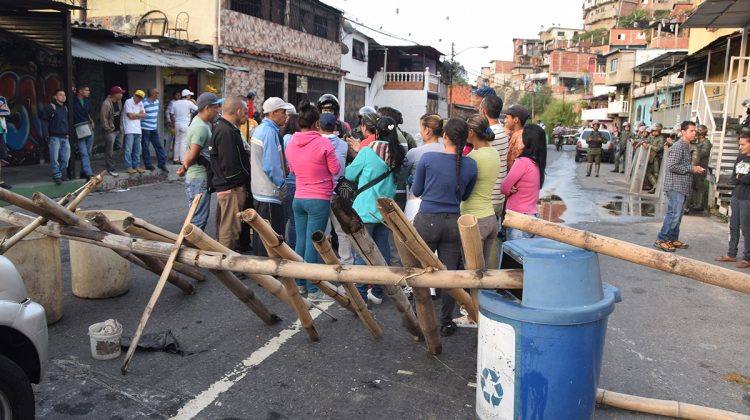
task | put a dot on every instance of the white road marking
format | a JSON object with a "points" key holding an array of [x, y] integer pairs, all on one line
{"points": [[210, 395]]}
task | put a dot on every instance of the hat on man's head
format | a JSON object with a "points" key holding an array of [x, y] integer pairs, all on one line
{"points": [[484, 91], [518, 111], [207, 98], [116, 89], [186, 92], [595, 122], [327, 121], [140, 93], [250, 95], [274, 104]]}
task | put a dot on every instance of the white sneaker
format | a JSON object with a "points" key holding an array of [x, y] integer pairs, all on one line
{"points": [[464, 322], [113, 173], [372, 298]]}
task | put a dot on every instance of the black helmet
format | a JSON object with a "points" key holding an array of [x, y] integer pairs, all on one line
{"points": [[368, 116], [327, 100]]}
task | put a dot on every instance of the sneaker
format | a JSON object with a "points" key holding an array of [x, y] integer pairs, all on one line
{"points": [[5, 185], [113, 174], [448, 330], [319, 297], [132, 171], [465, 322], [678, 244], [588, 174], [615, 170], [163, 168], [58, 181], [597, 175], [140, 170], [664, 246], [150, 167], [408, 292], [374, 299]]}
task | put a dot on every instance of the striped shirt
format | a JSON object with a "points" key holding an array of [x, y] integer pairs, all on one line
{"points": [[152, 115], [501, 145], [679, 176]]}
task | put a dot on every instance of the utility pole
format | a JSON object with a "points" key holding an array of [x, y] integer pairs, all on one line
{"points": [[450, 75]]}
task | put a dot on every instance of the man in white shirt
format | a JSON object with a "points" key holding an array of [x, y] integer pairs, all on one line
{"points": [[182, 111], [132, 114]]}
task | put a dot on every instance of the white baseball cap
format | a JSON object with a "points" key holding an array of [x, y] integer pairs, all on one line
{"points": [[274, 103], [187, 92]]}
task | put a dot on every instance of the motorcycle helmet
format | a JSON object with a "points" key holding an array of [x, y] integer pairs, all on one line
{"points": [[328, 101], [368, 117]]}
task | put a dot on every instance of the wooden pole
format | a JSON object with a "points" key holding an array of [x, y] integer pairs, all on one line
{"points": [[181, 267], [408, 235], [26, 204], [423, 302], [275, 245], [159, 287], [490, 279], [323, 246], [471, 242], [152, 228], [670, 263], [667, 408], [352, 225]]}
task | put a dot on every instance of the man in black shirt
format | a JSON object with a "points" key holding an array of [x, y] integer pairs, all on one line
{"points": [[739, 215]]}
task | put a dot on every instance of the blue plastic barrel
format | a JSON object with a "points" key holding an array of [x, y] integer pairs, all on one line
{"points": [[540, 352]]}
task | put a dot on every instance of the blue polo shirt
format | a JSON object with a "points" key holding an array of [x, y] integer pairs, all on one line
{"points": [[152, 115]]}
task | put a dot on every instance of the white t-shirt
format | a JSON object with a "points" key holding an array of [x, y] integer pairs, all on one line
{"points": [[131, 126], [181, 110]]}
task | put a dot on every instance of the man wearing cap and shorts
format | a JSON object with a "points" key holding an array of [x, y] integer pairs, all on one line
{"points": [[515, 118], [268, 166], [110, 117], [132, 114], [197, 159], [182, 112], [231, 171]]}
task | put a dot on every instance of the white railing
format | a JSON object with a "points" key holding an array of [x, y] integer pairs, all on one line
{"points": [[404, 76], [671, 115], [701, 109], [618, 107]]}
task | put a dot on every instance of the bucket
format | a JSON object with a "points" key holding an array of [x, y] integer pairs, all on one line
{"points": [[37, 259], [105, 339], [98, 272]]}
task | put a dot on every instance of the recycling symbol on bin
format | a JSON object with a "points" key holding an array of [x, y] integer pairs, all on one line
{"points": [[492, 390]]}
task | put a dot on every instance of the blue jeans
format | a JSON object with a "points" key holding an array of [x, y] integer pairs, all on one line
{"points": [[379, 234], [132, 150], [192, 188], [290, 234], [84, 148], [59, 155], [670, 229], [511, 234], [152, 137], [310, 215]]}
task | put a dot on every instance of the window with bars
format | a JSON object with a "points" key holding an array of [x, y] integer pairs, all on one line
{"points": [[271, 10], [273, 84], [314, 18], [358, 50]]}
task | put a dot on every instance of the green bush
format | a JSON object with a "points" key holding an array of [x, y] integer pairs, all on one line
{"points": [[559, 111]]}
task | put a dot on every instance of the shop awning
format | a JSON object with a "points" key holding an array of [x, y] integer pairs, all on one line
{"points": [[121, 53], [720, 14]]}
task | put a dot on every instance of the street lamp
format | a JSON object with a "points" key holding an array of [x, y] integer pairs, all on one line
{"points": [[450, 73]]}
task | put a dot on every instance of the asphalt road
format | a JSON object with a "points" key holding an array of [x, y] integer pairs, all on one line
{"points": [[670, 338]]}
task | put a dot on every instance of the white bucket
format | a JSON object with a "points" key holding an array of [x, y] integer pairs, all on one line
{"points": [[105, 339]]}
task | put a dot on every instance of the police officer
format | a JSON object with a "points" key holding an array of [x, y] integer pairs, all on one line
{"points": [[626, 136], [701, 153], [655, 144], [594, 154]]}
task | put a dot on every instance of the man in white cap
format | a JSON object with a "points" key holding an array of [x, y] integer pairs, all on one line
{"points": [[182, 112], [268, 167]]}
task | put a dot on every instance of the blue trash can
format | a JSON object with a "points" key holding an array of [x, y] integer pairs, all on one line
{"points": [[540, 351]]}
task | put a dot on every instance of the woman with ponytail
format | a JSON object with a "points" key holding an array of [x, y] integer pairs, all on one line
{"points": [[526, 177], [479, 203], [384, 156], [431, 130], [443, 180]]}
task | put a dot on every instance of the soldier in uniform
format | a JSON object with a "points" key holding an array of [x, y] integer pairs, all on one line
{"points": [[701, 153], [594, 154], [655, 143], [625, 136]]}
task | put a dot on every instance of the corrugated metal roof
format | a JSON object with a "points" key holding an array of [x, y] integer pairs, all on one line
{"points": [[120, 53], [720, 14], [46, 29]]}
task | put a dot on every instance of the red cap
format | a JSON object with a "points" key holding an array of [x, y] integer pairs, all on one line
{"points": [[116, 89]]}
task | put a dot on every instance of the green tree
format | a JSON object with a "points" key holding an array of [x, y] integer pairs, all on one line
{"points": [[558, 111], [638, 18], [457, 72], [541, 98]]}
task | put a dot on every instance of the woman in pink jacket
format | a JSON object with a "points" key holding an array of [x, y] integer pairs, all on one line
{"points": [[526, 177], [312, 159]]}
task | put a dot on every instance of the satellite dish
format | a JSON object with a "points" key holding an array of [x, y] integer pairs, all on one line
{"points": [[348, 28], [344, 49]]}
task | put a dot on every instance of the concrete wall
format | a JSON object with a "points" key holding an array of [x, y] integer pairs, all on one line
{"points": [[411, 103]]}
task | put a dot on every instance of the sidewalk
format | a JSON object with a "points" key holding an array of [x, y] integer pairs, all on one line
{"points": [[26, 180]]}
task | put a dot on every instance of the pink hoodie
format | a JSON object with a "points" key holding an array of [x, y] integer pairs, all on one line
{"points": [[524, 175], [312, 159]]}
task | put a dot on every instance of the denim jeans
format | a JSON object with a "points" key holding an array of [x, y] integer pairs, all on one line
{"points": [[112, 138], [152, 137], [670, 229], [379, 234], [290, 233], [132, 151], [310, 215], [440, 233], [84, 148], [739, 221], [59, 155], [511, 234], [192, 188]]}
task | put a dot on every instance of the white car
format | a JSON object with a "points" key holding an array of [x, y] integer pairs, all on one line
{"points": [[23, 345], [608, 147]]}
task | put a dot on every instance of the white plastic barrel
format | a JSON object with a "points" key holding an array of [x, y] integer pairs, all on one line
{"points": [[98, 272]]}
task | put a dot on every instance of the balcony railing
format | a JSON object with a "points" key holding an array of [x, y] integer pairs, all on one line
{"points": [[618, 107], [412, 80]]}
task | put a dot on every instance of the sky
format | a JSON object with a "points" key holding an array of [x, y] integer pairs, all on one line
{"points": [[467, 23]]}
